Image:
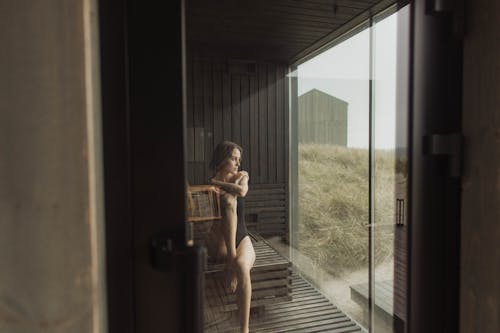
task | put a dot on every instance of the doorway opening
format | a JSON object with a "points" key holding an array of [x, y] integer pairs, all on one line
{"points": [[326, 158]]}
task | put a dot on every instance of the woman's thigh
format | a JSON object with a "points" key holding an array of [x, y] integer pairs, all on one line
{"points": [[245, 254], [216, 245]]}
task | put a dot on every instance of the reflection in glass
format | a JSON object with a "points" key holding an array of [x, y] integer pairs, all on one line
{"points": [[384, 115], [331, 239]]}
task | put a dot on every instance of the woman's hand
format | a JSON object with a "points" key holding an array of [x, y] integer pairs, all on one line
{"points": [[240, 175], [221, 191], [243, 173], [218, 188]]}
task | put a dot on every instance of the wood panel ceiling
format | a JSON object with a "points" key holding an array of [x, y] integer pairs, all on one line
{"points": [[279, 29]]}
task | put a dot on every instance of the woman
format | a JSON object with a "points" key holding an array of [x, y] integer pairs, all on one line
{"points": [[229, 240]]}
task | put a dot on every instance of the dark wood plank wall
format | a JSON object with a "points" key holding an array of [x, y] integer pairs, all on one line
{"points": [[245, 102], [229, 102]]}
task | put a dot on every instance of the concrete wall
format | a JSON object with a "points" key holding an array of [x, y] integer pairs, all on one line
{"points": [[50, 213], [480, 271]]}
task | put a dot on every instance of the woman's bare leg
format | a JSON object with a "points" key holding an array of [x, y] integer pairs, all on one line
{"points": [[245, 258], [230, 221]]}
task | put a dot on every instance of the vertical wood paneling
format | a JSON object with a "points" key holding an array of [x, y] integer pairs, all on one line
{"points": [[190, 123], [189, 89], [198, 122], [280, 121], [271, 122], [251, 109], [218, 134], [226, 105], [245, 120], [322, 118], [254, 130], [235, 109], [287, 128], [248, 108], [263, 160], [197, 95], [208, 117]]}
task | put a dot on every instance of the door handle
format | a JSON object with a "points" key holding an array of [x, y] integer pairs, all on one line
{"points": [[162, 253], [167, 256]]}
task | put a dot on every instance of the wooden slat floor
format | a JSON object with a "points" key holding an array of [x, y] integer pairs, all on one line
{"points": [[308, 311]]}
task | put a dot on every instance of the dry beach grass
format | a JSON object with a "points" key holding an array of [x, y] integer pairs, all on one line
{"points": [[333, 206]]}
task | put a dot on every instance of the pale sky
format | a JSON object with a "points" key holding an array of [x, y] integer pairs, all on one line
{"points": [[343, 71]]}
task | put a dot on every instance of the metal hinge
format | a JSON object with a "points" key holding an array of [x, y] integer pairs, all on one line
{"points": [[450, 7], [450, 145]]}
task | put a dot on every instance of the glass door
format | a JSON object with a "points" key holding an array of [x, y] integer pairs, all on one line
{"points": [[348, 231], [329, 236]]}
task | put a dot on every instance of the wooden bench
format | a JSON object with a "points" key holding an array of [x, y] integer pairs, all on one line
{"points": [[265, 210], [384, 295], [270, 275]]}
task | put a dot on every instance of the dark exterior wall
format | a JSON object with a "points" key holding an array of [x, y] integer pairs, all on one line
{"points": [[322, 118], [244, 102], [480, 263]]}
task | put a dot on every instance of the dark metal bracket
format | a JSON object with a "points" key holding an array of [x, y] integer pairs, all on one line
{"points": [[166, 255], [450, 145]]}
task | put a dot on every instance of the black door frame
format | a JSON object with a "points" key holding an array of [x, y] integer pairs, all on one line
{"points": [[434, 149], [142, 105], [117, 168], [153, 279]]}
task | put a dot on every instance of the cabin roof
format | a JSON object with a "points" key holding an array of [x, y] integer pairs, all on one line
{"points": [[315, 91]]}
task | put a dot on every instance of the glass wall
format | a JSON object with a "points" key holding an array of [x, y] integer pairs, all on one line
{"points": [[330, 239], [348, 233], [384, 54]]}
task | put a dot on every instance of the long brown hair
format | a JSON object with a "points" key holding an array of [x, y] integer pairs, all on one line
{"points": [[223, 151]]}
